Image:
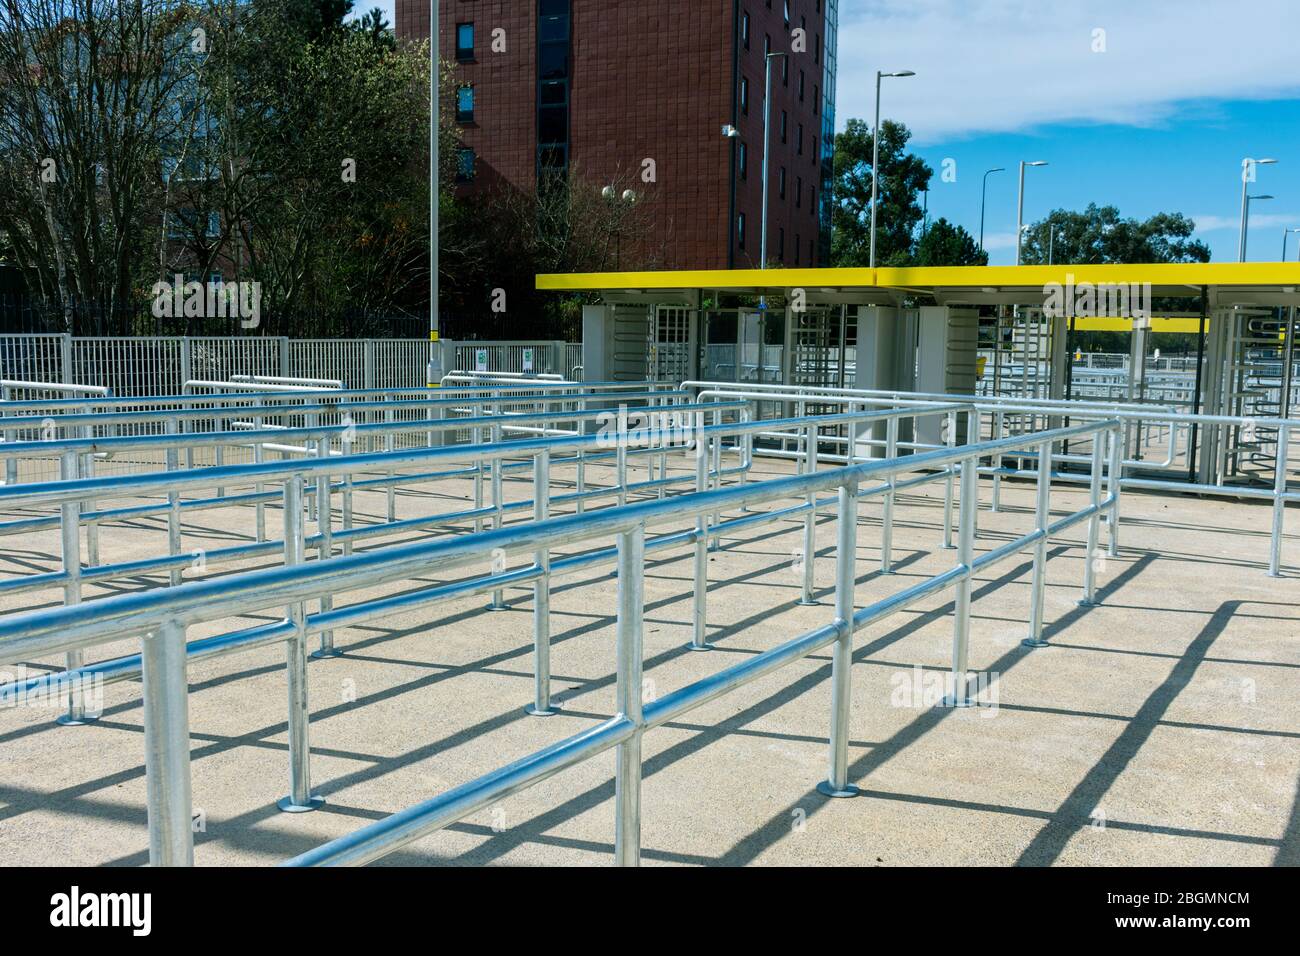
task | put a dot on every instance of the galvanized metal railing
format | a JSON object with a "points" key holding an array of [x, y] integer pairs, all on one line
{"points": [[1133, 418], [163, 615]]}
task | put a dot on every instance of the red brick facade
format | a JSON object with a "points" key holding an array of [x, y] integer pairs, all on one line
{"points": [[658, 81]]}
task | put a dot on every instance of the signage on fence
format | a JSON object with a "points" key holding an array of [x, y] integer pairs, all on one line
{"points": [[480, 360], [528, 360]]}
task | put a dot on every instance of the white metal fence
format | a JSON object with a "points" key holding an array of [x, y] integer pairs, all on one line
{"points": [[158, 365]]}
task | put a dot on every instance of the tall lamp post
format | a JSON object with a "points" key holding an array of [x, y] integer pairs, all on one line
{"points": [[984, 188], [1245, 221], [1247, 165], [767, 113], [1286, 234], [434, 376], [875, 157], [1020, 205]]}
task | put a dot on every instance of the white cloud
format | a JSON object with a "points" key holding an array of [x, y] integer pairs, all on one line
{"points": [[1257, 219], [1005, 65]]}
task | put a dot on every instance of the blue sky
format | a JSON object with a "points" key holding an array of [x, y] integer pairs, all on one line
{"points": [[1149, 105]]}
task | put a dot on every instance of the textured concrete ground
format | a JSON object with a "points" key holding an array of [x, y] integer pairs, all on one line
{"points": [[1161, 727]]}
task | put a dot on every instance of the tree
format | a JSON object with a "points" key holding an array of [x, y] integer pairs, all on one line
{"points": [[944, 244], [1099, 235], [903, 176], [90, 92]]}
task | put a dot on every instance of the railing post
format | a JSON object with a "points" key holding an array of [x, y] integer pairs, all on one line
{"points": [[1279, 503], [345, 444], [961, 603], [1042, 516], [390, 490], [167, 747], [259, 456], [498, 596], [70, 528], [887, 519], [837, 782], [173, 508], [300, 798], [948, 484], [699, 636], [1114, 483], [998, 422], [620, 455], [325, 528], [541, 705], [1094, 522], [810, 519], [627, 773]]}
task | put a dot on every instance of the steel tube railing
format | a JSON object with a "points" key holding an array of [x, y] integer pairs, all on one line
{"points": [[169, 611]]}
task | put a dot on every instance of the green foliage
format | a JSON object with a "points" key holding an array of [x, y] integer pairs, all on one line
{"points": [[903, 177], [1100, 235], [944, 244]]}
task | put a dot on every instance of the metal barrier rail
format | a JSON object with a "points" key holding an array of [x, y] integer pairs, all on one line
{"points": [[163, 615], [540, 387], [65, 388], [1129, 416], [165, 484]]}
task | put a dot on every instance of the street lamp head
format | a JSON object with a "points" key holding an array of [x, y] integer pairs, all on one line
{"points": [[996, 169], [897, 73], [1037, 162], [1254, 198]]}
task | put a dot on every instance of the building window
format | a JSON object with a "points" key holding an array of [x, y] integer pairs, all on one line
{"points": [[781, 183], [817, 56], [780, 245], [787, 14], [465, 104], [799, 140], [464, 41], [814, 151], [801, 79], [767, 44], [465, 165], [798, 192], [785, 71], [743, 160], [744, 28], [817, 100], [553, 87], [796, 249], [785, 127], [740, 230], [812, 199], [744, 95]]}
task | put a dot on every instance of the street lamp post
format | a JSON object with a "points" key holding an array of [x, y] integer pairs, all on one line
{"points": [[1247, 165], [1020, 205], [767, 112], [1286, 234], [434, 376], [983, 194], [1245, 221], [875, 157]]}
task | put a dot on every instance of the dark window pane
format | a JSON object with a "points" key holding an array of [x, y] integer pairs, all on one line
{"points": [[554, 63], [552, 124], [554, 94]]}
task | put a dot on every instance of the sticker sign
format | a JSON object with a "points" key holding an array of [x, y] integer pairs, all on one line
{"points": [[528, 360], [480, 360]]}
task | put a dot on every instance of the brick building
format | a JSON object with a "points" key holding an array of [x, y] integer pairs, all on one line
{"points": [[602, 86]]}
